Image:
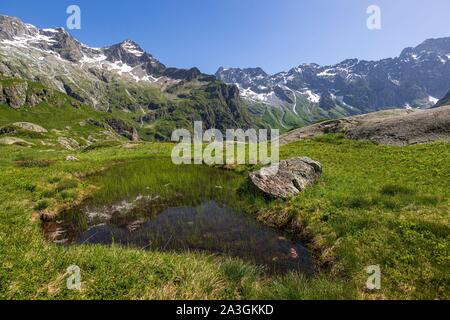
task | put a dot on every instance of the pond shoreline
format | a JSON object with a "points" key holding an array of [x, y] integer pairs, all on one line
{"points": [[112, 215]]}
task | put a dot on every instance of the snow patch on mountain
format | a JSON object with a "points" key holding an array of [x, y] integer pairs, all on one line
{"points": [[326, 73], [433, 100], [258, 97], [311, 96], [94, 59], [132, 48], [26, 40]]}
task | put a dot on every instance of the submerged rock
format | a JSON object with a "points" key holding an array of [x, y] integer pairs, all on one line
{"points": [[288, 178]]}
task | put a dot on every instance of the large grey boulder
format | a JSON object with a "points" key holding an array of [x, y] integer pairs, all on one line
{"points": [[288, 178]]}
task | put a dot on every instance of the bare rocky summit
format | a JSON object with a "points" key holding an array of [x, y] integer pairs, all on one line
{"points": [[398, 127]]}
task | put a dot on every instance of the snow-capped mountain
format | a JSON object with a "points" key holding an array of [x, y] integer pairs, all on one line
{"points": [[126, 77], [122, 79], [54, 57], [419, 77]]}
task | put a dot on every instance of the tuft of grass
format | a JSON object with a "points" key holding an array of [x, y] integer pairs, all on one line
{"points": [[66, 185], [54, 180], [395, 189], [33, 163], [42, 205], [103, 144], [68, 195], [298, 287]]}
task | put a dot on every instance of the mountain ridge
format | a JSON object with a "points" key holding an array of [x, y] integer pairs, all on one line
{"points": [[417, 78], [121, 77], [125, 77]]}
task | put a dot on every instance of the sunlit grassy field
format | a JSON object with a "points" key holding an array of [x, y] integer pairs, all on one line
{"points": [[374, 205]]}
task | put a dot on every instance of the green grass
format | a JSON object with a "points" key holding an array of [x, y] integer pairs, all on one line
{"points": [[33, 268], [377, 205], [165, 112], [373, 205], [158, 176]]}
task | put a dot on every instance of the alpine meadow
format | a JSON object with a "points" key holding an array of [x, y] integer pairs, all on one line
{"points": [[122, 178]]}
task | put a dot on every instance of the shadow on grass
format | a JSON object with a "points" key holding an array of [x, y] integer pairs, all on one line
{"points": [[391, 196]]}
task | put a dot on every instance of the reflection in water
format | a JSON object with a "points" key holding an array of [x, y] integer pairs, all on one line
{"points": [[209, 227]]}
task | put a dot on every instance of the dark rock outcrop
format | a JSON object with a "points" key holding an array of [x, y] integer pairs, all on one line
{"points": [[182, 74], [123, 129], [14, 94]]}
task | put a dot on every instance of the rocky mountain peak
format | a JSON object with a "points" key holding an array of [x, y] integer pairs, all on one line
{"points": [[130, 53], [440, 46], [126, 57], [244, 78], [429, 48], [417, 78], [11, 27], [132, 47], [15, 32], [64, 44]]}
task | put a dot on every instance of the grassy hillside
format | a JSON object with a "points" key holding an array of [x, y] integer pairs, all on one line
{"points": [[285, 117], [215, 104], [376, 205]]}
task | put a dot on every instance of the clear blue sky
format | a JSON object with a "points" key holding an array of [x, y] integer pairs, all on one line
{"points": [[273, 34]]}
